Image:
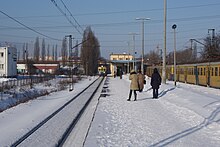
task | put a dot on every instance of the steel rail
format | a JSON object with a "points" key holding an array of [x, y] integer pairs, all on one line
{"points": [[25, 136]]}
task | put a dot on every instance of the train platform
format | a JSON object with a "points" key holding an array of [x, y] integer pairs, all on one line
{"points": [[185, 115]]}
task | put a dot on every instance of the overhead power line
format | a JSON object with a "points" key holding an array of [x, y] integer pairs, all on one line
{"points": [[55, 3], [144, 10], [29, 27], [71, 15]]}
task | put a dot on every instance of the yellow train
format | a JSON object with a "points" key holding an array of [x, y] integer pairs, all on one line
{"points": [[102, 70], [206, 74]]}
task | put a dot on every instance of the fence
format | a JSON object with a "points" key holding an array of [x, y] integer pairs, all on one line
{"points": [[6, 85]]}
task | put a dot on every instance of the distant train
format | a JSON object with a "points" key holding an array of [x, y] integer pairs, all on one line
{"points": [[102, 70], [206, 74]]}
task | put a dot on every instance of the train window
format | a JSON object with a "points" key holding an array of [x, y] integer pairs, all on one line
{"points": [[201, 71], [216, 71], [219, 71]]}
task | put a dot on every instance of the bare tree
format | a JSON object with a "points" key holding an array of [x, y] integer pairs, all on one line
{"points": [[43, 51], [53, 53], [23, 52], [76, 50], [211, 51], [48, 52], [26, 52], [36, 50], [56, 53], [182, 57], [152, 58], [90, 52], [64, 51]]}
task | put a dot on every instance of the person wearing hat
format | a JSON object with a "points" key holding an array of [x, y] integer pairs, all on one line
{"points": [[134, 85]]}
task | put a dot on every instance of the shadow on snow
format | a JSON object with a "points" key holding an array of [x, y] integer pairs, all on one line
{"points": [[206, 122]]}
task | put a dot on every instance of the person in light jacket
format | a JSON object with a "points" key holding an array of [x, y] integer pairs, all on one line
{"points": [[155, 82], [141, 78], [134, 85]]}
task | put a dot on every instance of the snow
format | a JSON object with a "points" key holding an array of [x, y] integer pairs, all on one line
{"points": [[185, 115]]}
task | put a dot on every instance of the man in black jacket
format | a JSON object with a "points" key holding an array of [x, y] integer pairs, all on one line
{"points": [[155, 82]]}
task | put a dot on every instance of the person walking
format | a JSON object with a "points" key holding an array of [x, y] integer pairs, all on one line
{"points": [[141, 78], [155, 82], [134, 85]]}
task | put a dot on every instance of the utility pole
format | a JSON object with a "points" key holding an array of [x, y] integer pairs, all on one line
{"points": [[164, 51], [142, 56], [133, 39], [213, 34], [212, 47], [128, 57], [70, 64]]}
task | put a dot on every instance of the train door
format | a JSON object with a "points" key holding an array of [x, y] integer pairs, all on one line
{"points": [[196, 73], [185, 74], [208, 74]]}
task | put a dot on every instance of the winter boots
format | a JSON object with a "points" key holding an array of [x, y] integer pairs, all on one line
{"points": [[135, 96]]}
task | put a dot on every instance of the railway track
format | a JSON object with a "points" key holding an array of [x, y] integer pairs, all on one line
{"points": [[55, 129]]}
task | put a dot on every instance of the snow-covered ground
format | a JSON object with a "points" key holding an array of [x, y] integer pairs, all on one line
{"points": [[18, 120], [186, 115]]}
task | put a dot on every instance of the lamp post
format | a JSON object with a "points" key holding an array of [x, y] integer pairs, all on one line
{"points": [[142, 57], [174, 53]]}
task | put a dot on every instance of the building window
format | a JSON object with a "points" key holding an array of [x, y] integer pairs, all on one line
{"points": [[1, 54], [1, 66]]}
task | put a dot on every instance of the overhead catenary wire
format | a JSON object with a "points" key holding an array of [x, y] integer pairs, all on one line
{"points": [[55, 3], [71, 14], [28, 27], [148, 10]]}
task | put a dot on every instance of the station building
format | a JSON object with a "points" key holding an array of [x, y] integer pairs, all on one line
{"points": [[123, 63]]}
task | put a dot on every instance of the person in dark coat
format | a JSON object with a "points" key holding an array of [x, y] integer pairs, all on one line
{"points": [[134, 85], [155, 82]]}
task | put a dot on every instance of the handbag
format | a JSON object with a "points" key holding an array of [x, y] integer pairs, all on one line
{"points": [[144, 81]]}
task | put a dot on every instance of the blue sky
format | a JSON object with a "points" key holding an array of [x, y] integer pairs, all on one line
{"points": [[111, 21]]}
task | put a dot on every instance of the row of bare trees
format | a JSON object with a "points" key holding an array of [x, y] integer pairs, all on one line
{"points": [[210, 52], [45, 54], [90, 52]]}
